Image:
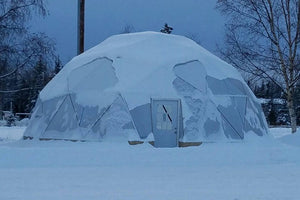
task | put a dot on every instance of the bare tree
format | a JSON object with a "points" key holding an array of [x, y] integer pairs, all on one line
{"points": [[262, 39], [20, 49], [15, 38]]}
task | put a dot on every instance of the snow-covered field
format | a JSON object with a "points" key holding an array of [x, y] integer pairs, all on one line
{"points": [[266, 169], [11, 133]]}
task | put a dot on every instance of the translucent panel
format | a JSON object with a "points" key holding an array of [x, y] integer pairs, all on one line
{"points": [[240, 103], [261, 117], [95, 132], [40, 119], [97, 76], [111, 122], [64, 124], [50, 107], [192, 72], [192, 126], [37, 124], [236, 86], [211, 127], [77, 107], [163, 117], [227, 86], [87, 116], [234, 116], [254, 118], [38, 109], [231, 132], [129, 125], [94, 129], [141, 116], [217, 86]]}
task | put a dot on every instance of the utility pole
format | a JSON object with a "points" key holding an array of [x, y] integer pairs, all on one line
{"points": [[80, 23]]}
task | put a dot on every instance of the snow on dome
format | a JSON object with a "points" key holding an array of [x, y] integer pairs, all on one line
{"points": [[149, 83], [142, 54]]}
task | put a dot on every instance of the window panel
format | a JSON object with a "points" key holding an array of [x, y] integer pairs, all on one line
{"points": [[164, 117]]}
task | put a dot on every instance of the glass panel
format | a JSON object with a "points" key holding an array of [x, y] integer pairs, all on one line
{"points": [[158, 125], [187, 72], [163, 117], [96, 76], [141, 116], [228, 86], [234, 115]]}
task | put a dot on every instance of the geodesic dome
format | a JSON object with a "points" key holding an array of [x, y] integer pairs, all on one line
{"points": [[147, 85]]}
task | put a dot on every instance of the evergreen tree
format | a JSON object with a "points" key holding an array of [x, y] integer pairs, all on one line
{"points": [[167, 29], [33, 81], [40, 77], [58, 65], [272, 114]]}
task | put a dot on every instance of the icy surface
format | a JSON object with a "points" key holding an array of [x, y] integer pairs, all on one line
{"points": [[258, 169]]}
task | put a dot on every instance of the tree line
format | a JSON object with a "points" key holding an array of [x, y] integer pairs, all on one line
{"points": [[27, 60], [274, 103], [262, 40], [21, 89]]}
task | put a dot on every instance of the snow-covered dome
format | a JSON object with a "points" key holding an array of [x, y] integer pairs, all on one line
{"points": [[147, 83]]}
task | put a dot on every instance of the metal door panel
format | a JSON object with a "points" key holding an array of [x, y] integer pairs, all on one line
{"points": [[165, 121]]}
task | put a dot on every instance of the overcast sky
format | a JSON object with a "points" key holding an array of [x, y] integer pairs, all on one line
{"points": [[108, 17]]}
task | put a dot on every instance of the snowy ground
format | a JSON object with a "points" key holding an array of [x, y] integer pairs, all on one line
{"points": [[11, 133], [267, 169]]}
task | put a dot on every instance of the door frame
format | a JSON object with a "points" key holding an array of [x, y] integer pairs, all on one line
{"points": [[178, 114]]}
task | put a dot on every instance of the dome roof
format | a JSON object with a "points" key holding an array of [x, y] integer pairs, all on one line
{"points": [[137, 56], [129, 83]]}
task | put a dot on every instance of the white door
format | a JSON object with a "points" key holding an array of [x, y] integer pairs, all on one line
{"points": [[165, 122]]}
